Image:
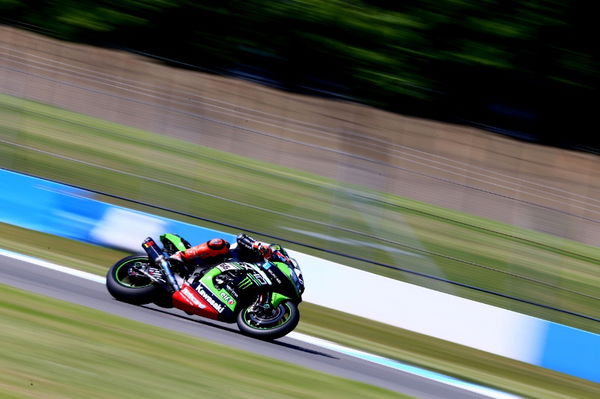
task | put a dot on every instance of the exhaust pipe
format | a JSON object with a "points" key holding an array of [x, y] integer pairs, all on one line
{"points": [[158, 257]]}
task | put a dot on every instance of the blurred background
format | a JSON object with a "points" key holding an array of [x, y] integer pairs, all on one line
{"points": [[427, 141], [526, 68]]}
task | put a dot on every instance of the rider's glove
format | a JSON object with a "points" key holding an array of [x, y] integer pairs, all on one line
{"points": [[263, 249], [245, 241]]}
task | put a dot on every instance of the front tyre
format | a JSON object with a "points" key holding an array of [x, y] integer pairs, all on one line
{"points": [[268, 324], [127, 285]]}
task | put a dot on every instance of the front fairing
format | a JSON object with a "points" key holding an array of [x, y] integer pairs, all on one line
{"points": [[288, 279], [230, 286]]}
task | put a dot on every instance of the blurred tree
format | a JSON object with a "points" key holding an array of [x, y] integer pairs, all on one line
{"points": [[527, 67]]}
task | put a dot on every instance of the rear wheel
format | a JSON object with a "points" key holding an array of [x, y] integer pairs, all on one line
{"points": [[126, 284], [268, 323]]}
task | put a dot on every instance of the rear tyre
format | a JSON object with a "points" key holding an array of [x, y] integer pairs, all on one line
{"points": [[271, 324], [126, 285]]}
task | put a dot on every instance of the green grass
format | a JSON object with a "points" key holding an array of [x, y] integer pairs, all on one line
{"points": [[406, 346], [55, 349], [254, 195]]}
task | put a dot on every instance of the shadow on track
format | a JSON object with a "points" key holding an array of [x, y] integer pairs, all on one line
{"points": [[301, 349], [233, 330]]}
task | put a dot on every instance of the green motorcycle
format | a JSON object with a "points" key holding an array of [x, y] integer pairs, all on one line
{"points": [[261, 296]]}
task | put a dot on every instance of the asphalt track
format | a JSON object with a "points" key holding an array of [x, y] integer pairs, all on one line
{"points": [[74, 289]]}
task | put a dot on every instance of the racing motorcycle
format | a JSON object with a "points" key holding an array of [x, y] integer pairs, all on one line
{"points": [[262, 296]]}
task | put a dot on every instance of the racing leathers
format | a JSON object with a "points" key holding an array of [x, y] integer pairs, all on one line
{"points": [[246, 249]]}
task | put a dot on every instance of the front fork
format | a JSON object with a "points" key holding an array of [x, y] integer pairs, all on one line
{"points": [[268, 301], [262, 303]]}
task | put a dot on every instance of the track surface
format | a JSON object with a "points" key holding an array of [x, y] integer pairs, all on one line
{"points": [[91, 294]]}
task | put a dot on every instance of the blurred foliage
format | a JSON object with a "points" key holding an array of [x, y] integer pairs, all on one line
{"points": [[528, 67]]}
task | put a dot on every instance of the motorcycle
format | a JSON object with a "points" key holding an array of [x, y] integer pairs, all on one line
{"points": [[262, 296]]}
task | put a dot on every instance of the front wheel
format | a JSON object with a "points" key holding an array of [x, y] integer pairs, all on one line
{"points": [[127, 285], [268, 324]]}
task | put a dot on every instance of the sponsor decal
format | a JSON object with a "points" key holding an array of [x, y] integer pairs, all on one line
{"points": [[218, 306], [300, 278], [274, 276], [260, 278], [245, 283], [190, 297], [232, 291], [228, 266], [227, 298]]}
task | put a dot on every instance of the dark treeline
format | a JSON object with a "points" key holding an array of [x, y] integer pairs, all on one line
{"points": [[527, 68]]}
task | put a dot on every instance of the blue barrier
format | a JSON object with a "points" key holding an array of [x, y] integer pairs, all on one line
{"points": [[57, 209], [49, 207], [571, 351]]}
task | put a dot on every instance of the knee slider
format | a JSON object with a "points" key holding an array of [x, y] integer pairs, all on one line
{"points": [[217, 244]]}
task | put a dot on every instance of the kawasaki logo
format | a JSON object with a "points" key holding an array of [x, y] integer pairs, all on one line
{"points": [[218, 306], [190, 297]]}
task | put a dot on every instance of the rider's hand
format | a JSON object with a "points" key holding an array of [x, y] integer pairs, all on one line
{"points": [[263, 248], [245, 241]]}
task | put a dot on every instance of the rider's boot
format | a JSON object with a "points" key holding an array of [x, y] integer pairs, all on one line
{"points": [[180, 263]]}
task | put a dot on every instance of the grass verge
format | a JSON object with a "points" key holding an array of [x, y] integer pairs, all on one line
{"points": [[55, 349]]}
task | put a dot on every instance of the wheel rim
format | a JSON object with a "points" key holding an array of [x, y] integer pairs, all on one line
{"points": [[268, 321], [123, 274]]}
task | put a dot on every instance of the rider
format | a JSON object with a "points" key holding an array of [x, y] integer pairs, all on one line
{"points": [[216, 250]]}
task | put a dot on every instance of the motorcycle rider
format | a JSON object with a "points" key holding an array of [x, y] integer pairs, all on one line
{"points": [[247, 249]]}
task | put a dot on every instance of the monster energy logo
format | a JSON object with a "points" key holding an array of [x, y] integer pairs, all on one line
{"points": [[245, 283]]}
